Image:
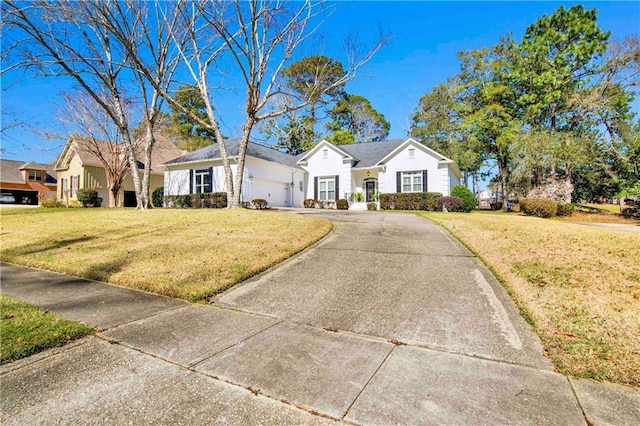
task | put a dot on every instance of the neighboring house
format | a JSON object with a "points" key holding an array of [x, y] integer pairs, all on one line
{"points": [[26, 183], [327, 172], [486, 197], [79, 166]]}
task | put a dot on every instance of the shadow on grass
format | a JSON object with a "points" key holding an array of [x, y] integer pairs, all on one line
{"points": [[104, 270], [34, 248]]}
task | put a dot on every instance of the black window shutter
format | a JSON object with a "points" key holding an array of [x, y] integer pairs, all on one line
{"points": [[424, 181], [190, 181], [210, 179], [337, 188], [315, 188], [398, 181]]}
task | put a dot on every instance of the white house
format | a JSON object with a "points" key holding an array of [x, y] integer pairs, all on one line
{"points": [[327, 172]]}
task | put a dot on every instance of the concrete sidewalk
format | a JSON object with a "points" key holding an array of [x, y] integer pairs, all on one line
{"points": [[389, 320]]}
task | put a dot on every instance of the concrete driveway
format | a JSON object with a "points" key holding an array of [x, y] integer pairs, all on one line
{"points": [[399, 277], [386, 321]]}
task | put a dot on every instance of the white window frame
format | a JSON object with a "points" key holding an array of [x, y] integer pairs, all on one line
{"points": [[201, 187], [37, 175], [325, 153], [414, 183], [412, 152], [75, 183], [327, 194]]}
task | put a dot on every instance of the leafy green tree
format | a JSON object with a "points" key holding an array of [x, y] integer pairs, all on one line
{"points": [[191, 135], [316, 79], [551, 71], [437, 124], [553, 62], [356, 115], [341, 137], [487, 106], [294, 137]]}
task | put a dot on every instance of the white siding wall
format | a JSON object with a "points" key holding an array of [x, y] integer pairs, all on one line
{"points": [[444, 180], [382, 183], [333, 165], [454, 180], [402, 163], [271, 181], [176, 182], [176, 178]]}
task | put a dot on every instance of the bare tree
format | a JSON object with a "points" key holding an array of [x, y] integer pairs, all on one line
{"points": [[96, 133], [61, 38], [76, 39], [154, 36], [258, 39]]}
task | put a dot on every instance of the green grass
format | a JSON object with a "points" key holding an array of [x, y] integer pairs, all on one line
{"points": [[189, 253], [578, 286], [27, 329]]}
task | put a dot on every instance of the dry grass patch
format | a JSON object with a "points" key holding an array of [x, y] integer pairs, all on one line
{"points": [[579, 286], [599, 213], [190, 254]]}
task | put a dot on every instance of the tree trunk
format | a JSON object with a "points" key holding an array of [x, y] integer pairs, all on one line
{"points": [[312, 114], [237, 194], [146, 179], [476, 186], [135, 175], [131, 155], [113, 197], [504, 182]]}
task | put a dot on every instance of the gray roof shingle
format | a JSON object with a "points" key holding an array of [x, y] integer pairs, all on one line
{"points": [[253, 149], [368, 154], [10, 170]]}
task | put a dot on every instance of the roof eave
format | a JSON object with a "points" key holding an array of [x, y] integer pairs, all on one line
{"points": [[235, 158]]}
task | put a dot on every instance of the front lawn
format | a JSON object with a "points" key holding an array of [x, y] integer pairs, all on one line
{"points": [[578, 285], [190, 254], [28, 329]]}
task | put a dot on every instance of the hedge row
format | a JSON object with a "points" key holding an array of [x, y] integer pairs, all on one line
{"points": [[410, 201], [544, 207], [631, 213], [311, 203], [213, 200], [451, 204]]}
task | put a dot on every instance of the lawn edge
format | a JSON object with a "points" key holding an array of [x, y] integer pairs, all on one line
{"points": [[212, 298], [524, 312], [49, 344]]}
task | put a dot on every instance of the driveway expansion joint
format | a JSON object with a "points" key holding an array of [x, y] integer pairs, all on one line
{"points": [[384, 361], [200, 361], [575, 395]]}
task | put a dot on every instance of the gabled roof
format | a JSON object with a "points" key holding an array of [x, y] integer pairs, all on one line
{"points": [[32, 165], [88, 151], [369, 154], [401, 146], [11, 170], [305, 155], [212, 152]]}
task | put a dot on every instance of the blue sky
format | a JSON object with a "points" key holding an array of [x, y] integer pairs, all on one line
{"points": [[421, 53]]}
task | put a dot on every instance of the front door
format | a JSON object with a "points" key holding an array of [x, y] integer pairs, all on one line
{"points": [[369, 189]]}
